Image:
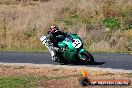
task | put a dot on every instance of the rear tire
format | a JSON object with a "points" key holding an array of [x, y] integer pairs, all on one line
{"points": [[88, 57]]}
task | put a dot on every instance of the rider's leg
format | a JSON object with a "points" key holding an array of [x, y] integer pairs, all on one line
{"points": [[53, 54]]}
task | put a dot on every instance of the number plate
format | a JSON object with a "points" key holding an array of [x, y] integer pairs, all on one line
{"points": [[77, 43]]}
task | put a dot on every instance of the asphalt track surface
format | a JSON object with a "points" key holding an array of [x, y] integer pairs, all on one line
{"points": [[103, 60]]}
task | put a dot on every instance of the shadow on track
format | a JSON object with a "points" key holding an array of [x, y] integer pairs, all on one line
{"points": [[95, 63], [82, 63]]}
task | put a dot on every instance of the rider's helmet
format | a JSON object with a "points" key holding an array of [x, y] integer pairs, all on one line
{"points": [[53, 29]]}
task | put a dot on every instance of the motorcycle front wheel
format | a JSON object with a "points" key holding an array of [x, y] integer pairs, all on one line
{"points": [[88, 57]]}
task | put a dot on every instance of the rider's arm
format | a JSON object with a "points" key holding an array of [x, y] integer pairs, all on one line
{"points": [[50, 42], [49, 39], [62, 33]]}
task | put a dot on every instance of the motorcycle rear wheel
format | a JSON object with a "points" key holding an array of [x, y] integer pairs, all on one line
{"points": [[88, 57]]}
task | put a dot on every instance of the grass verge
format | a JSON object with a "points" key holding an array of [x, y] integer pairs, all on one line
{"points": [[46, 50], [27, 81], [110, 51], [25, 49], [18, 82]]}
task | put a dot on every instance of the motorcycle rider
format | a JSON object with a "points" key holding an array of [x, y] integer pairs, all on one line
{"points": [[52, 35]]}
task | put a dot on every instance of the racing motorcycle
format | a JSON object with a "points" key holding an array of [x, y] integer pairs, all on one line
{"points": [[71, 48]]}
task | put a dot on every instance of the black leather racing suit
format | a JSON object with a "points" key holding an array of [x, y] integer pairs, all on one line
{"points": [[53, 43], [54, 37]]}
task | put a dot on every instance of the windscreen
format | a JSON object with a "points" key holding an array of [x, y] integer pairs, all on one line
{"points": [[69, 38]]}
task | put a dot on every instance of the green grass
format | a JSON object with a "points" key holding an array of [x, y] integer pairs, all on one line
{"points": [[112, 23], [25, 49], [110, 51], [18, 82], [46, 50], [27, 81]]}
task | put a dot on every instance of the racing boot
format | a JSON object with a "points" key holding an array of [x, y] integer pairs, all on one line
{"points": [[55, 58]]}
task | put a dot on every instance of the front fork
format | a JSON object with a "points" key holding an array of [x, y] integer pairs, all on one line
{"points": [[79, 54]]}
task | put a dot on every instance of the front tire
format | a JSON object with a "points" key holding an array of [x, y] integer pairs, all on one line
{"points": [[88, 57]]}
